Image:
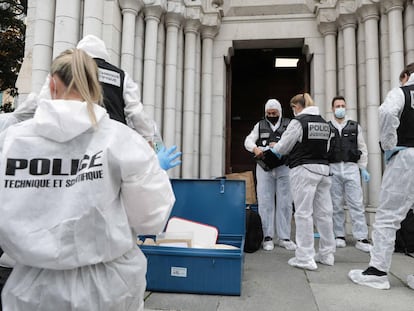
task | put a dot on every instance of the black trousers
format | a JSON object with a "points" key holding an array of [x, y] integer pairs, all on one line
{"points": [[4, 274]]}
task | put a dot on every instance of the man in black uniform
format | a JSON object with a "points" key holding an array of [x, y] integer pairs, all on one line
{"points": [[348, 155]]}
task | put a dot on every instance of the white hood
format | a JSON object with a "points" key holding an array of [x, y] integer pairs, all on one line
{"points": [[94, 46], [273, 104], [63, 120]]}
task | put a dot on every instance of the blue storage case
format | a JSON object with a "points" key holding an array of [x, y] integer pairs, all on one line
{"points": [[216, 202]]}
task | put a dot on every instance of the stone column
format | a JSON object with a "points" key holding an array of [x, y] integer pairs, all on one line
{"points": [[30, 28], [218, 111], [42, 42], [317, 90], [179, 98], [93, 13], [130, 9], [24, 79], [369, 16], [67, 23], [362, 92], [409, 33], [152, 19], [197, 90], [329, 31], [347, 23], [340, 64], [139, 50], [173, 21], [190, 31], [362, 78], [393, 9], [385, 57], [159, 80], [207, 34]]}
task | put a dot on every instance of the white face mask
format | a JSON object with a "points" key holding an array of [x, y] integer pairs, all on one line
{"points": [[340, 113]]}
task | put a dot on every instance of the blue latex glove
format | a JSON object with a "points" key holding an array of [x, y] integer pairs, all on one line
{"points": [[276, 153], [389, 153], [365, 175], [166, 157]]}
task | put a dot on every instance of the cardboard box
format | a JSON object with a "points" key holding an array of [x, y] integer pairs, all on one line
{"points": [[248, 177], [216, 202]]}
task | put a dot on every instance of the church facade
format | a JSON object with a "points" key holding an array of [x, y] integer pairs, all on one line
{"points": [[193, 60]]}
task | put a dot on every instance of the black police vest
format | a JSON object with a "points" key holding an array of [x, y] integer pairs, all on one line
{"points": [[266, 134], [313, 148], [344, 148], [405, 131], [112, 82]]}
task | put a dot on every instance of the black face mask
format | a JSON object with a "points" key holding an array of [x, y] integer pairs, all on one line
{"points": [[273, 120]]}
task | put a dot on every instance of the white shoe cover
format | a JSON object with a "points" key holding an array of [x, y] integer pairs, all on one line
{"points": [[308, 265], [328, 259], [365, 247], [340, 243], [268, 245], [410, 281], [289, 245], [374, 281]]}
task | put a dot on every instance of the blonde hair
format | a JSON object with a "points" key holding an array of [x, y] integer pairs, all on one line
{"points": [[304, 100], [79, 72]]}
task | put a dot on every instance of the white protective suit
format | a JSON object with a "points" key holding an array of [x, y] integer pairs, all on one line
{"points": [[73, 199], [269, 184], [346, 187], [135, 115], [396, 196], [310, 184]]}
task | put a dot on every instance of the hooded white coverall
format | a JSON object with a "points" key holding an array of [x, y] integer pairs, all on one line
{"points": [[310, 184], [269, 184], [396, 196], [73, 199], [346, 187], [135, 115]]}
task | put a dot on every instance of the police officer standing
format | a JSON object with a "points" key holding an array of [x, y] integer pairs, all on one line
{"points": [[348, 155], [272, 178], [396, 122], [306, 141]]}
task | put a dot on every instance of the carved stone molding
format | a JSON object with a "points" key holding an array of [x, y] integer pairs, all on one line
{"points": [[208, 31], [389, 5], [175, 13], [192, 25], [154, 9], [347, 7], [369, 11], [347, 20], [330, 28], [133, 6]]}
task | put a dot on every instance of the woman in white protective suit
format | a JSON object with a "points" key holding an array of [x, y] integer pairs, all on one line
{"points": [[306, 141], [76, 188], [396, 118]]}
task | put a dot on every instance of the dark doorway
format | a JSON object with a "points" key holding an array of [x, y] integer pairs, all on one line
{"points": [[254, 79]]}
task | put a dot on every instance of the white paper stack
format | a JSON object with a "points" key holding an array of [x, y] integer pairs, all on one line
{"points": [[204, 236]]}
